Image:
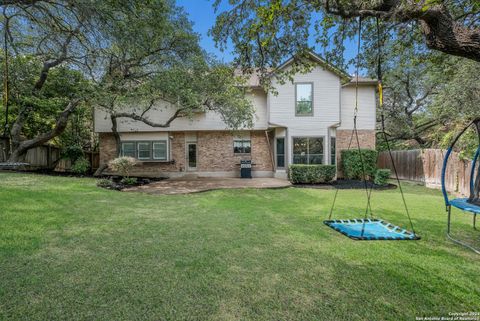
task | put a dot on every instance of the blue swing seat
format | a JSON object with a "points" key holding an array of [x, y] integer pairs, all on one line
{"points": [[373, 229], [462, 204]]}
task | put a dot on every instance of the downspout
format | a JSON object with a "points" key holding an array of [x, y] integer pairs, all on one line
{"points": [[270, 151]]}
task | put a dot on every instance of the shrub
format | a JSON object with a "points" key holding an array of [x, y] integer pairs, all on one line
{"points": [[311, 174], [352, 163], [123, 165], [129, 181], [81, 166], [105, 183], [72, 152], [382, 176]]}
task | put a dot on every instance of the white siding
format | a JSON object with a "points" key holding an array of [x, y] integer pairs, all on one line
{"points": [[144, 136], [366, 107], [162, 112], [326, 102], [326, 108]]}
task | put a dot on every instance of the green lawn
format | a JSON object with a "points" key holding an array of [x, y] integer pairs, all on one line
{"points": [[72, 251]]}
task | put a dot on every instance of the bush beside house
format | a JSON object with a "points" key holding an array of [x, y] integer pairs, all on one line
{"points": [[311, 174], [352, 167]]}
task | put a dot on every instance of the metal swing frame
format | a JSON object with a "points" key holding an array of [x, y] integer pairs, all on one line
{"points": [[461, 203]]}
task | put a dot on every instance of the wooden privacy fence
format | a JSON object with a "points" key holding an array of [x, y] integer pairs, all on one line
{"points": [[426, 166], [65, 165], [41, 157], [48, 157]]}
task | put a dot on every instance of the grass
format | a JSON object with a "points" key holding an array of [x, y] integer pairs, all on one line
{"points": [[72, 251]]}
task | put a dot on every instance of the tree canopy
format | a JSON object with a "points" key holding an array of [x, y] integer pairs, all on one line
{"points": [[65, 54], [428, 93]]}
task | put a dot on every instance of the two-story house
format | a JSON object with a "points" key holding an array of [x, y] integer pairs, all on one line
{"points": [[307, 121]]}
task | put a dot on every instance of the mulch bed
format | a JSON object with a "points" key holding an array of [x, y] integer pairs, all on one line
{"points": [[116, 183], [347, 184]]}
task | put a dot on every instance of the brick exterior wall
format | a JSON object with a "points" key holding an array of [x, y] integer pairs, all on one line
{"points": [[366, 137], [108, 152], [214, 153]]}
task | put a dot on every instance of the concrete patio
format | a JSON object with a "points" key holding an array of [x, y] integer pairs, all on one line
{"points": [[193, 185]]}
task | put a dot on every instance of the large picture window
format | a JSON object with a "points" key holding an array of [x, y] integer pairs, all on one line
{"points": [[145, 150], [308, 150], [242, 146], [304, 99]]}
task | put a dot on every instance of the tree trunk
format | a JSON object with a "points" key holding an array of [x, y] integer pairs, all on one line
{"points": [[21, 147], [116, 135]]}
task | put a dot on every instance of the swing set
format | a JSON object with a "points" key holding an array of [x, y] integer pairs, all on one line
{"points": [[370, 228]]}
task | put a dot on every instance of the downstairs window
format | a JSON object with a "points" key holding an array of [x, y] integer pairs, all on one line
{"points": [[308, 150], [145, 150]]}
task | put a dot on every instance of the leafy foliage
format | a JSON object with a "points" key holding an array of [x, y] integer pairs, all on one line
{"points": [[129, 180], [105, 183], [354, 163], [158, 60], [81, 166], [420, 85], [311, 174], [72, 152], [123, 165], [67, 57], [382, 176]]}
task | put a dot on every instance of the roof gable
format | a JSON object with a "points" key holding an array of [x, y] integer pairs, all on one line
{"points": [[322, 62]]}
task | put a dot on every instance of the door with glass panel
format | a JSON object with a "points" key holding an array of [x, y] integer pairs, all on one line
{"points": [[191, 156]]}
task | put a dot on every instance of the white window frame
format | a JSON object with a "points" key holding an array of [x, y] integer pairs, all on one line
{"points": [[149, 149], [162, 142], [242, 140], [308, 149], [296, 99], [134, 148]]}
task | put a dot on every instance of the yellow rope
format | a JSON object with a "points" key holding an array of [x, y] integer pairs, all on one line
{"points": [[380, 93]]}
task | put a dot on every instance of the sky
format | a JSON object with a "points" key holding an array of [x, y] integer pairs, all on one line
{"points": [[202, 14]]}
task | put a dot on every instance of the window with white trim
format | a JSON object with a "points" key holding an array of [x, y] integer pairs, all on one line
{"points": [[145, 150], [242, 146], [159, 150], [304, 99], [128, 149], [308, 150]]}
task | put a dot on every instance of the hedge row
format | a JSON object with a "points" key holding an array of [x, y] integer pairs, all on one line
{"points": [[311, 174]]}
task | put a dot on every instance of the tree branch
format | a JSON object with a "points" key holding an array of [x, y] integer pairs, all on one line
{"points": [[177, 114], [60, 126], [442, 32]]}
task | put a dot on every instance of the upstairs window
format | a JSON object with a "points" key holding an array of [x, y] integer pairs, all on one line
{"points": [[304, 99]]}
